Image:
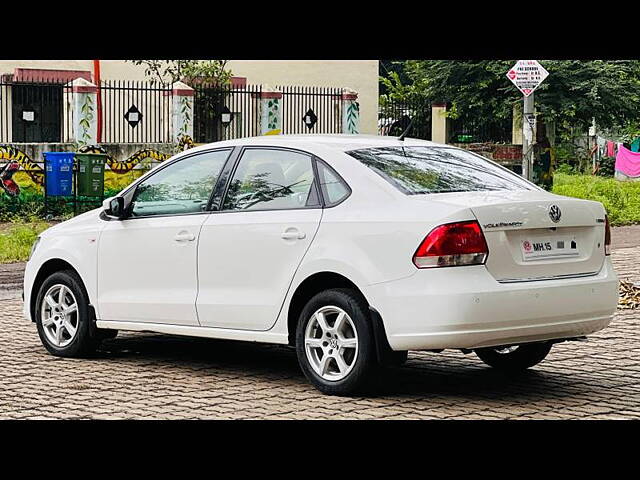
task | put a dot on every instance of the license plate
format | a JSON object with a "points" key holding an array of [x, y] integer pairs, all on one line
{"points": [[548, 247]]}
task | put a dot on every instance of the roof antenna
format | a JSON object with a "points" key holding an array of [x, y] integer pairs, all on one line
{"points": [[404, 134]]}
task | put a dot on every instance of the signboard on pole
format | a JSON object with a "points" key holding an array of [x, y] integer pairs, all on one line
{"points": [[531, 118], [527, 75]]}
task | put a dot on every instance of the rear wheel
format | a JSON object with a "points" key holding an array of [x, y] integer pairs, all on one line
{"points": [[334, 342], [514, 358]]}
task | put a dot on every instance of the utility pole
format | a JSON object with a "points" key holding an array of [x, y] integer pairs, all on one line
{"points": [[528, 138], [527, 75]]}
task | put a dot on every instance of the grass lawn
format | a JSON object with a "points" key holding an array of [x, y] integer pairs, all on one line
{"points": [[16, 240], [621, 199]]}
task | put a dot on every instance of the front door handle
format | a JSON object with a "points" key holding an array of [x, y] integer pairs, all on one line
{"points": [[184, 237], [293, 234]]}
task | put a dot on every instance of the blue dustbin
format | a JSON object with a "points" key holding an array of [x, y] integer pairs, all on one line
{"points": [[58, 167]]}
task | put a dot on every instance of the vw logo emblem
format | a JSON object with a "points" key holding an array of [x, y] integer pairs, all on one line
{"points": [[555, 213]]}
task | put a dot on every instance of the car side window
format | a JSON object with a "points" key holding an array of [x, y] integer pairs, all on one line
{"points": [[183, 187], [270, 179], [334, 189]]}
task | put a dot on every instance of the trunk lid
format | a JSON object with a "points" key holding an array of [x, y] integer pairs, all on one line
{"points": [[525, 243]]}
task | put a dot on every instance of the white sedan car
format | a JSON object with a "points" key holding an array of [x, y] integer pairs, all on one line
{"points": [[353, 249]]}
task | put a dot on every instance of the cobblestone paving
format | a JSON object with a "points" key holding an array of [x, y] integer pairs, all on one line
{"points": [[155, 376]]}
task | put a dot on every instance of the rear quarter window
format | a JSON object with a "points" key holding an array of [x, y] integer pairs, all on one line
{"points": [[420, 170], [333, 188]]}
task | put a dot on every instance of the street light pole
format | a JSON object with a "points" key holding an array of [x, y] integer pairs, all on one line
{"points": [[528, 120]]}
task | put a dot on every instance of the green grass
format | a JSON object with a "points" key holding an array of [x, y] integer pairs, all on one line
{"points": [[16, 240], [621, 199]]}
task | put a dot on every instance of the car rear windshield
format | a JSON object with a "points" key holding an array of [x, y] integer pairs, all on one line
{"points": [[418, 170]]}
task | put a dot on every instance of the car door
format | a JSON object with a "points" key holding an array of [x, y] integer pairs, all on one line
{"points": [[147, 262], [251, 247]]}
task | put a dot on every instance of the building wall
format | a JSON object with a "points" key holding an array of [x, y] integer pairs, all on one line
{"points": [[359, 75]]}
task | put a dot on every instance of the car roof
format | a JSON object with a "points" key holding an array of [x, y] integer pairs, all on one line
{"points": [[342, 143]]}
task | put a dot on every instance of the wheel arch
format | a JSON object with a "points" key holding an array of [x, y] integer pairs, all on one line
{"points": [[49, 267], [325, 280], [310, 286]]}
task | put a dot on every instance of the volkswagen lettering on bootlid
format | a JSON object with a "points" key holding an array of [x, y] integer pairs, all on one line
{"points": [[503, 224], [555, 213]]}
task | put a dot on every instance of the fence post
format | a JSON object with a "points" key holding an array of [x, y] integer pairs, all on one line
{"points": [[516, 124], [270, 112], [182, 112], [350, 112], [85, 117], [440, 123]]}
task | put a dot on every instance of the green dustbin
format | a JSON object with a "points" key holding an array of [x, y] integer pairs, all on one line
{"points": [[90, 174]]}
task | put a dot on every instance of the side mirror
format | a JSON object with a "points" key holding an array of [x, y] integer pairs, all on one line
{"points": [[114, 207]]}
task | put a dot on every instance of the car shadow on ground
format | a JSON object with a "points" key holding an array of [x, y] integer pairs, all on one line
{"points": [[454, 375]]}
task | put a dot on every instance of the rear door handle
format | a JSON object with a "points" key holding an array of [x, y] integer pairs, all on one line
{"points": [[293, 234], [184, 237]]}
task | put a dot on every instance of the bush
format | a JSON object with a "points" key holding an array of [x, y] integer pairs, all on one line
{"points": [[607, 167], [566, 169], [621, 199]]}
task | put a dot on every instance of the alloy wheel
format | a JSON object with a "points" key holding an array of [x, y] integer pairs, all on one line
{"points": [[59, 315], [331, 343]]}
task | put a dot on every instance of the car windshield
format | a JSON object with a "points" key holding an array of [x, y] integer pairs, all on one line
{"points": [[419, 170]]}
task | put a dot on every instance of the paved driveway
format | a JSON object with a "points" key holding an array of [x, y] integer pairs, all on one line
{"points": [[155, 376]]}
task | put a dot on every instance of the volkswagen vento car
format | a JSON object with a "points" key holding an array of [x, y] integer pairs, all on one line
{"points": [[352, 249]]}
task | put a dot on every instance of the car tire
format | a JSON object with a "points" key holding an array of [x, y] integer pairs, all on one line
{"points": [[65, 332], [516, 359], [345, 352]]}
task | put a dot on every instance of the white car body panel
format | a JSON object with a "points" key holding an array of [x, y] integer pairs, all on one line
{"points": [[75, 242], [147, 269], [245, 267], [428, 313], [370, 239], [269, 336], [505, 260]]}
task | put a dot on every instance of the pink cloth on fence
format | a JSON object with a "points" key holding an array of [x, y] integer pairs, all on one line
{"points": [[611, 149], [628, 162]]}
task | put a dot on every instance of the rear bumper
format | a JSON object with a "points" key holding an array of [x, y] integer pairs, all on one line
{"points": [[465, 307]]}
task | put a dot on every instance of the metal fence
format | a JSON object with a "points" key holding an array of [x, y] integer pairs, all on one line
{"points": [[35, 111], [394, 118], [311, 109], [135, 112], [480, 131], [140, 111], [223, 113]]}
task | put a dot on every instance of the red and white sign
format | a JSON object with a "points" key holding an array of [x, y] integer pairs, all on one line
{"points": [[527, 75]]}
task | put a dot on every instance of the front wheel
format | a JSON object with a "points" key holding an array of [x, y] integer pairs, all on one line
{"points": [[514, 358], [62, 316], [334, 342]]}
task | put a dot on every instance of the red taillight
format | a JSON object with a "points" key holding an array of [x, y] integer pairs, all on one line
{"points": [[607, 236], [453, 244]]}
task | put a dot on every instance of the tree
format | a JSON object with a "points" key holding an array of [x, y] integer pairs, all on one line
{"points": [[393, 71], [167, 72], [573, 94]]}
